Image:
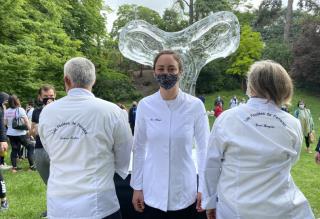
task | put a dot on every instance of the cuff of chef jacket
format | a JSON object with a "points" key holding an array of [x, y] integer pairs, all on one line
{"points": [[135, 186], [209, 202], [122, 174]]}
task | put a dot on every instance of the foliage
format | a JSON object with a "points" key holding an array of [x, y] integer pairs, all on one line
{"points": [[128, 13], [278, 51], [204, 7], [33, 47], [312, 6], [307, 54], [269, 10], [213, 78], [172, 21], [83, 21], [114, 86], [249, 51]]}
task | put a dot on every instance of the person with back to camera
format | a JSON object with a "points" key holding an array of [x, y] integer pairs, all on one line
{"points": [[88, 140], [304, 115], [164, 176], [251, 151]]}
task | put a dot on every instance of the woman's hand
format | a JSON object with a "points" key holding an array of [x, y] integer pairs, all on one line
{"points": [[211, 214], [3, 146], [198, 206], [138, 201]]}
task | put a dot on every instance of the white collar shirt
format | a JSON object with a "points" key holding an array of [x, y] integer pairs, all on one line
{"points": [[162, 151], [87, 140], [250, 154]]}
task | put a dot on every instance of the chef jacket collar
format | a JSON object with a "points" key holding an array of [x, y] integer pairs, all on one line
{"points": [[80, 92]]}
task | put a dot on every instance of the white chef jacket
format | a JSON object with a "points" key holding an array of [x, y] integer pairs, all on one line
{"points": [[162, 151], [250, 154], [87, 140]]}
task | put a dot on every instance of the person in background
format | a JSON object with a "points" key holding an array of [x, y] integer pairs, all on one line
{"points": [[284, 107], [243, 101], [233, 102], [3, 149], [164, 175], [18, 137], [217, 101], [306, 121], [88, 140], [46, 94], [251, 151], [218, 110], [317, 156], [132, 116], [202, 98], [29, 109]]}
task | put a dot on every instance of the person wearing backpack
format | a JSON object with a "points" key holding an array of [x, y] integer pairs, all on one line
{"points": [[18, 137]]}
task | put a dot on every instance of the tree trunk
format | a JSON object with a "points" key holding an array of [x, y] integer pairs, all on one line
{"points": [[288, 22], [191, 14]]}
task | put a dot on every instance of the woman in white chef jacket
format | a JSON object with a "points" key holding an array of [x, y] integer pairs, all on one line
{"points": [[251, 151], [164, 175]]}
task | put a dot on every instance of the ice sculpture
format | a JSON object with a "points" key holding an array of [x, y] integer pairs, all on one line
{"points": [[215, 36]]}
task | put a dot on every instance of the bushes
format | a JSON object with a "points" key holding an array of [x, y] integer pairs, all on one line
{"points": [[213, 77], [114, 86]]}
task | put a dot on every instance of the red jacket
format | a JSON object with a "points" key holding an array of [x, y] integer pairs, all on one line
{"points": [[217, 110]]}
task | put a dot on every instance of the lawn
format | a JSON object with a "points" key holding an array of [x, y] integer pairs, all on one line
{"points": [[26, 191]]}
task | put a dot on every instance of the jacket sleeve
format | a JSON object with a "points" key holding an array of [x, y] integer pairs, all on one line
{"points": [[3, 136], [213, 163], [202, 132], [298, 143], [122, 146], [139, 150]]}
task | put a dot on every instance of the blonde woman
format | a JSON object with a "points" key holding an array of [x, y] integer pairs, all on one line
{"points": [[251, 151]]}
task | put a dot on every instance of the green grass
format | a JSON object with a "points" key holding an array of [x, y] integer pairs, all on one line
{"points": [[27, 195]]}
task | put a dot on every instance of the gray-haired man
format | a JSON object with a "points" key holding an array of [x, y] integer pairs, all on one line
{"points": [[87, 140]]}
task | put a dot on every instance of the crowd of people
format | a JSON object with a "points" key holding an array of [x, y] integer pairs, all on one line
{"points": [[81, 141]]}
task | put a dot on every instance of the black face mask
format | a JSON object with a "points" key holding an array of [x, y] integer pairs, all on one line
{"points": [[167, 81], [45, 100]]}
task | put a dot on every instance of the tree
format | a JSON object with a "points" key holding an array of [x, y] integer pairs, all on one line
{"points": [[249, 51], [128, 13], [204, 7], [288, 22], [36, 48], [269, 11], [201, 8], [84, 21], [312, 6], [183, 4], [278, 51], [172, 21], [306, 54]]}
